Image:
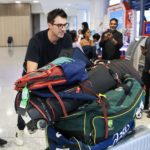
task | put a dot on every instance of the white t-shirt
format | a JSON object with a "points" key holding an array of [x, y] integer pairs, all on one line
{"points": [[77, 44]]}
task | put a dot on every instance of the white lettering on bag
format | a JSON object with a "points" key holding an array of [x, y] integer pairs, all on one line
{"points": [[118, 136]]}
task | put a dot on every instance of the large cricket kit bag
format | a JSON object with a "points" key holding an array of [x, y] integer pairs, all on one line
{"points": [[94, 127], [82, 110]]}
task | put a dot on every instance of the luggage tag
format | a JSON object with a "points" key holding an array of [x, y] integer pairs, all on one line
{"points": [[26, 117], [24, 101]]}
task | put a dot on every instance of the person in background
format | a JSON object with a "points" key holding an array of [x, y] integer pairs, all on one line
{"points": [[74, 37], [80, 36], [146, 74], [88, 45], [96, 40], [78, 51], [86, 41], [111, 41], [85, 26], [43, 48], [2, 142]]}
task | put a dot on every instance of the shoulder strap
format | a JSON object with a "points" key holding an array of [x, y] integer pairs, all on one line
{"points": [[99, 101]]}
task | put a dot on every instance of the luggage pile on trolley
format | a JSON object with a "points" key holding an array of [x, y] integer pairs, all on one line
{"points": [[80, 109]]}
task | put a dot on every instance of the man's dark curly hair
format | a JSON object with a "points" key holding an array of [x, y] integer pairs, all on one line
{"points": [[54, 13], [114, 19]]}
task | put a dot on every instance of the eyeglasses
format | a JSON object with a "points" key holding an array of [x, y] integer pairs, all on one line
{"points": [[88, 32], [59, 25]]}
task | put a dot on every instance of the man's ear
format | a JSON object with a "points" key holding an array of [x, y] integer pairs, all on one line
{"points": [[49, 25], [143, 50]]}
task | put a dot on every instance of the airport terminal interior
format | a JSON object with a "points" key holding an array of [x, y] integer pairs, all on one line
{"points": [[23, 18]]}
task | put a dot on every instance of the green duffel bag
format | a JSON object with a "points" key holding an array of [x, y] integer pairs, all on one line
{"points": [[95, 122]]}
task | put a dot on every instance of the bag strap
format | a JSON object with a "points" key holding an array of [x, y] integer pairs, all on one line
{"points": [[45, 109], [113, 74], [59, 100], [127, 90], [52, 110], [37, 108], [99, 101]]}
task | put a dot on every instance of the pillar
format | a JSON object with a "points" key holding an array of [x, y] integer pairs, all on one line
{"points": [[98, 9]]}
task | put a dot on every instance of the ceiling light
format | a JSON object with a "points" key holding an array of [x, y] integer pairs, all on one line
{"points": [[18, 2], [35, 1]]}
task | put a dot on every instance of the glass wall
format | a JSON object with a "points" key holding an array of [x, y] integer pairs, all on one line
{"points": [[147, 17]]}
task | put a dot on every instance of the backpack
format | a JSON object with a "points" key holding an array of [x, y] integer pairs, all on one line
{"points": [[59, 71], [79, 55]]}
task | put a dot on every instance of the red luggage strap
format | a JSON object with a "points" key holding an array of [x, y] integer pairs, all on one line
{"points": [[59, 100], [99, 101], [40, 111]]}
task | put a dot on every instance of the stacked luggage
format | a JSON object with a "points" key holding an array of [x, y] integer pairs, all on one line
{"points": [[82, 110]]}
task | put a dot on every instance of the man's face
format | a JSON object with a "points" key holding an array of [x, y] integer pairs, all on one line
{"points": [[113, 25], [58, 28]]}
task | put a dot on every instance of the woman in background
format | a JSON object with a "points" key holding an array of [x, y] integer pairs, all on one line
{"points": [[86, 41], [85, 26]]}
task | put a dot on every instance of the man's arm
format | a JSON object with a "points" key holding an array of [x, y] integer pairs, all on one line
{"points": [[32, 56], [118, 40], [31, 66]]}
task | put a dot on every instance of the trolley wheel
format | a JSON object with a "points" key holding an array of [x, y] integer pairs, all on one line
{"points": [[139, 115]]}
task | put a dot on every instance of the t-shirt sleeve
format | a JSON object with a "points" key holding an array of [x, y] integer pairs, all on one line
{"points": [[33, 51]]}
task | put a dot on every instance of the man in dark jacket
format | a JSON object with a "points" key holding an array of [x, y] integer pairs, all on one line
{"points": [[146, 74], [111, 41]]}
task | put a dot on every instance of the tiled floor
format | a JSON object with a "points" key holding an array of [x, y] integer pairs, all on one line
{"points": [[11, 61]]}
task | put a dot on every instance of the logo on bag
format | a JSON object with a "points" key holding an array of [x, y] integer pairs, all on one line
{"points": [[110, 125], [118, 136], [58, 135]]}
